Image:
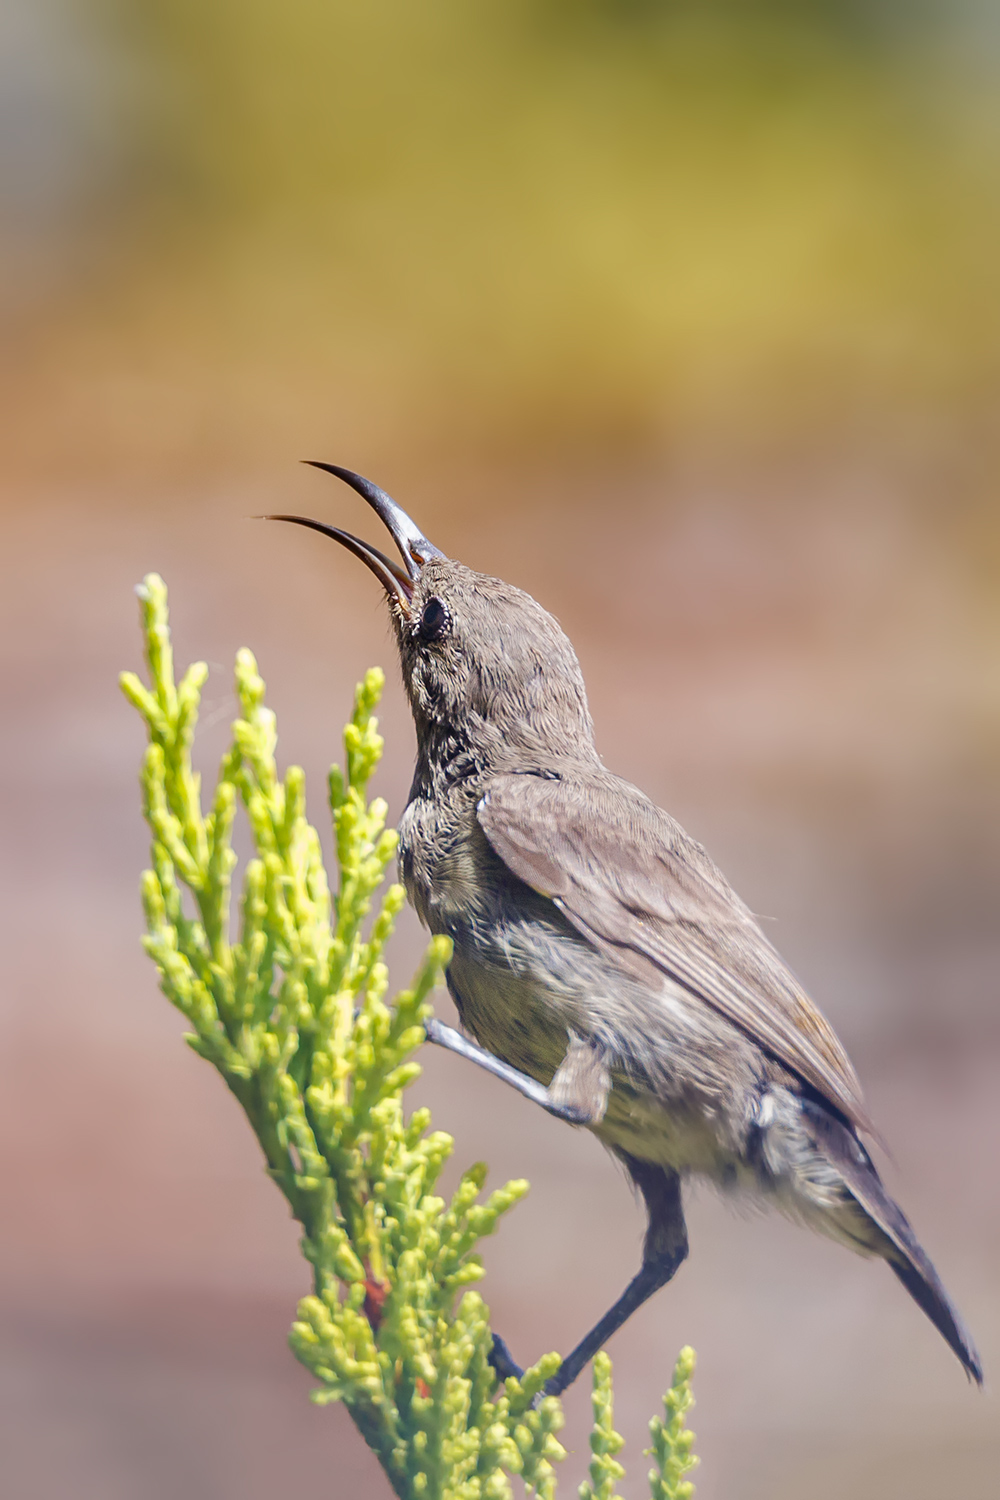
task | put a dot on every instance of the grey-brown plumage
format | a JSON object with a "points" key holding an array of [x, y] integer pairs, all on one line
{"points": [[600, 958]]}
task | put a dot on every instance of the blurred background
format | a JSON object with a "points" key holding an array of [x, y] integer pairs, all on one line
{"points": [[683, 316]]}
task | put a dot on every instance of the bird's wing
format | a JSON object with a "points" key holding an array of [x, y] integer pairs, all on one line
{"points": [[632, 882]]}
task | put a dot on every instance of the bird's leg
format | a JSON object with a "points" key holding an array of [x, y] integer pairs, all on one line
{"points": [[577, 1094], [503, 1362], [663, 1251]]}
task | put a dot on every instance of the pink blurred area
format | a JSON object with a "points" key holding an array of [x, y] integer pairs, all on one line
{"points": [[743, 446]]}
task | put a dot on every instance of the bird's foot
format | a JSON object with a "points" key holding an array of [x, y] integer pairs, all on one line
{"points": [[505, 1367], [503, 1361]]}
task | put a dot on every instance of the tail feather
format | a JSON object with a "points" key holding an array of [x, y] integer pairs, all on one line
{"points": [[905, 1256], [928, 1293]]}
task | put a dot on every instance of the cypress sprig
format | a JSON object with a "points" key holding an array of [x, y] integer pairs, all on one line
{"points": [[605, 1442], [672, 1440]]}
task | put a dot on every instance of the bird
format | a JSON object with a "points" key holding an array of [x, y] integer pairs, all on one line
{"points": [[601, 963]]}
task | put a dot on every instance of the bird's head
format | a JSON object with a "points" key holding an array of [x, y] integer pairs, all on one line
{"points": [[483, 664]]}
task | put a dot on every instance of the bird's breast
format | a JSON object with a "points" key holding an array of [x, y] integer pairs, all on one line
{"points": [[451, 874]]}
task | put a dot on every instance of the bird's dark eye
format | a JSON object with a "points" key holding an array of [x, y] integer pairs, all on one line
{"points": [[434, 619]]}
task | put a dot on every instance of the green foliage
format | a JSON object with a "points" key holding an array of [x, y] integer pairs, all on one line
{"points": [[672, 1441], [292, 1012], [605, 1442], [651, 213]]}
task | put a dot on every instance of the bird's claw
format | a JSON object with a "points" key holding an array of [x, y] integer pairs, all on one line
{"points": [[502, 1361], [505, 1367]]}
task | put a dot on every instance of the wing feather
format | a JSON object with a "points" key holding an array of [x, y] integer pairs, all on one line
{"points": [[632, 882]]}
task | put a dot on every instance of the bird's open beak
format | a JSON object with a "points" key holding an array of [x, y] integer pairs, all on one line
{"points": [[414, 548]]}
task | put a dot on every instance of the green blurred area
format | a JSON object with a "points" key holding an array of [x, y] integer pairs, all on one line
{"points": [[545, 222]]}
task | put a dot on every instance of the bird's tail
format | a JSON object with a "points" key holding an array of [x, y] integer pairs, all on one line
{"points": [[904, 1253]]}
